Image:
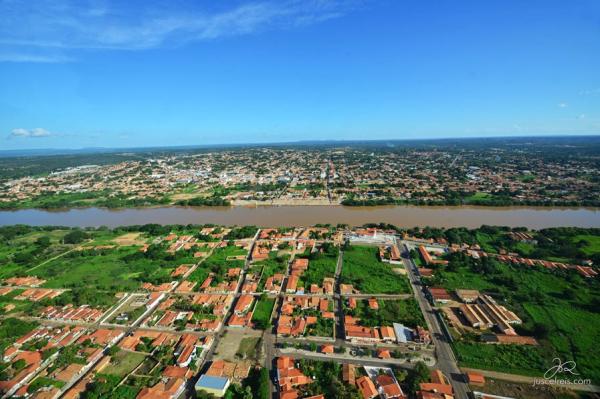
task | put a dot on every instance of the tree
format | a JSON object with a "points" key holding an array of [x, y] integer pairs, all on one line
{"points": [[418, 375], [75, 237], [43, 242]]}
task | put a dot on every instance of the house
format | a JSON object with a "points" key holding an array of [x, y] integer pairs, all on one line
{"points": [[403, 334], [216, 386], [366, 387], [373, 304], [428, 259], [387, 334], [422, 335], [291, 284], [467, 296], [475, 379], [439, 295], [349, 373], [389, 387], [438, 388]]}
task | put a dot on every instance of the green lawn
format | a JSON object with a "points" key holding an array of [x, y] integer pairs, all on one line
{"points": [[404, 311], [11, 329], [107, 270], [248, 348], [268, 267], [592, 243], [363, 269], [565, 306], [320, 266], [124, 362], [218, 264], [41, 382], [516, 359], [262, 312]]}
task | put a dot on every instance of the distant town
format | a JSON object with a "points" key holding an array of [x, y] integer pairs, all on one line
{"points": [[321, 311], [487, 172]]}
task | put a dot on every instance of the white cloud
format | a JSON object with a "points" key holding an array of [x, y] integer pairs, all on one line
{"points": [[73, 24], [48, 59], [563, 105], [36, 132], [590, 92]]}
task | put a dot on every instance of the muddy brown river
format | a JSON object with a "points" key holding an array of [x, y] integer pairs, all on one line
{"points": [[403, 216]]}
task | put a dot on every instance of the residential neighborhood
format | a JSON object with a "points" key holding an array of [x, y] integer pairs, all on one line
{"points": [[305, 312]]}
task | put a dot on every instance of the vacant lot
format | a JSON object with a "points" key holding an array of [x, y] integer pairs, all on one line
{"points": [[404, 311], [559, 309], [248, 348], [124, 362], [262, 313], [363, 269]]}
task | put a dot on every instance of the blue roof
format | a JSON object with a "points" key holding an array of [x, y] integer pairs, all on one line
{"points": [[208, 381]]}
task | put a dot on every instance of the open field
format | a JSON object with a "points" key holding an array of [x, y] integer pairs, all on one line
{"points": [[262, 312], [124, 362], [559, 309], [363, 269], [321, 265], [404, 311]]}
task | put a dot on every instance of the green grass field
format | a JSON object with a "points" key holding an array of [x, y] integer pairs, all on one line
{"points": [[218, 263], [592, 243], [565, 305], [319, 266], [363, 269], [262, 312], [248, 348], [124, 362], [404, 311], [269, 267], [105, 270]]}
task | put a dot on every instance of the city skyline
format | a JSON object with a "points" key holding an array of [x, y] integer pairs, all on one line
{"points": [[101, 74]]}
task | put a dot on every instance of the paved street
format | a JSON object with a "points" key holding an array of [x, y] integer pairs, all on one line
{"points": [[446, 361]]}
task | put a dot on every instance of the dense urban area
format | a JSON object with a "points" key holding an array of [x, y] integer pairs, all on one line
{"points": [[488, 172], [322, 311]]}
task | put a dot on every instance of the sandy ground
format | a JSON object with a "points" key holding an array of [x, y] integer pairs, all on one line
{"points": [[293, 202], [229, 344], [129, 239], [183, 196]]}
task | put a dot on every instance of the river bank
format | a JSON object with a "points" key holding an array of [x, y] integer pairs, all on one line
{"points": [[400, 215]]}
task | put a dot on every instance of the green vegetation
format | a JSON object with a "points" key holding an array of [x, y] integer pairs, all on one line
{"points": [[268, 267], [123, 362], [248, 348], [113, 270], [363, 269], [321, 264], [103, 198], [105, 386], [516, 359], [204, 201], [405, 311], [262, 312], [558, 308], [328, 380], [238, 233], [11, 329], [41, 382], [322, 328], [218, 263]]}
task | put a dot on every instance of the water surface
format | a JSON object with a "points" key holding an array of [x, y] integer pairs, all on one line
{"points": [[403, 216]]}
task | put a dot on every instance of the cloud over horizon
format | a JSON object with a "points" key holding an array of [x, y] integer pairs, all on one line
{"points": [[35, 34], [35, 132]]}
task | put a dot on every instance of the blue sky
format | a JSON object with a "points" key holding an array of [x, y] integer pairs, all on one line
{"points": [[182, 72]]}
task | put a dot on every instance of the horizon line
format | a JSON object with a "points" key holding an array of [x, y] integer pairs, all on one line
{"points": [[99, 149]]}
